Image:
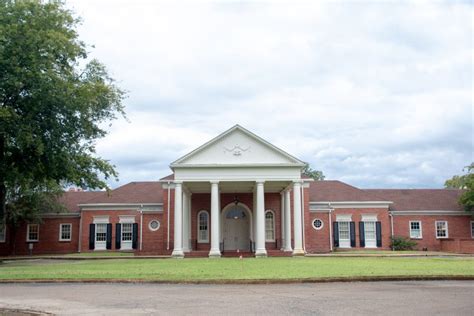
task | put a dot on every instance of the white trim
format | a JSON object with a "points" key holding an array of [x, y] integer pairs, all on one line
{"points": [[146, 207], [273, 228], [317, 219], [61, 232], [151, 228], [28, 233], [177, 163], [60, 215], [313, 206], [103, 219], [126, 219], [436, 230], [369, 218], [421, 229], [199, 240], [343, 217], [472, 229], [430, 212]]}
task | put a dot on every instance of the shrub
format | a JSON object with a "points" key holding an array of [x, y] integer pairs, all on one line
{"points": [[402, 243]]}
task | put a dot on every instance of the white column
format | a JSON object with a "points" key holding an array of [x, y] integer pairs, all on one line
{"points": [[298, 250], [178, 221], [282, 220], [260, 247], [254, 217], [287, 246], [215, 221], [186, 218]]}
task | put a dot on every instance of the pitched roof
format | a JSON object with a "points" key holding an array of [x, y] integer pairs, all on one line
{"points": [[168, 177], [337, 191], [133, 192], [71, 199], [421, 199]]}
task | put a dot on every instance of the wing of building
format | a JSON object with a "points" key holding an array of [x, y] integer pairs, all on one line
{"points": [[239, 194]]}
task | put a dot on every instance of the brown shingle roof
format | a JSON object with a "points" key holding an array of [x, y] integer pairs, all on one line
{"points": [[168, 177], [71, 199], [133, 192], [421, 199], [337, 191]]}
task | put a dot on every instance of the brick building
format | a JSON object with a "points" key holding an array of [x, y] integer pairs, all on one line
{"points": [[239, 193]]}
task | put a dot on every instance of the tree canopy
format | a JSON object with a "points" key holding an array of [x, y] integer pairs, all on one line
{"points": [[312, 173], [466, 182], [55, 103]]}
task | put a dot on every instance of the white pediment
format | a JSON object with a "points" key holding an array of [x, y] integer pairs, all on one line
{"points": [[237, 146]]}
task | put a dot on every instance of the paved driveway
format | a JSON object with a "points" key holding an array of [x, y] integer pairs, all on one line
{"points": [[389, 298]]}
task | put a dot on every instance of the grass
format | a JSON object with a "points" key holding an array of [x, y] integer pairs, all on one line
{"points": [[235, 269]]}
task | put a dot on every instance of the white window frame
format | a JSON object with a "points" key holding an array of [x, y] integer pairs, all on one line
{"points": [[4, 237], [273, 226], [28, 233], [199, 239], [436, 230], [61, 232], [421, 230], [346, 242], [472, 229]]}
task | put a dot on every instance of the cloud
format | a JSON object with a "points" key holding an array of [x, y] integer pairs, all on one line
{"points": [[378, 94]]}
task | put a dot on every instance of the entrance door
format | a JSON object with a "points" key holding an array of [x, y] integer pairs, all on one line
{"points": [[344, 235], [236, 229]]}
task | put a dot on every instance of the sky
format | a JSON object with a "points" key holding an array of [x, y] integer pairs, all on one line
{"points": [[378, 94]]}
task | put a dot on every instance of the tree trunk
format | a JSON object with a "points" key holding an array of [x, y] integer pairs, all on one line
{"points": [[3, 189]]}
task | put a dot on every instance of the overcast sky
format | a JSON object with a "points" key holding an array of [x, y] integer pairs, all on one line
{"points": [[376, 94]]}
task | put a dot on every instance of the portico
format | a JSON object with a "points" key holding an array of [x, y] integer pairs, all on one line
{"points": [[236, 164]]}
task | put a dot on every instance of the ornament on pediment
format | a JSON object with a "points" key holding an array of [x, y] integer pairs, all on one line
{"points": [[236, 150]]}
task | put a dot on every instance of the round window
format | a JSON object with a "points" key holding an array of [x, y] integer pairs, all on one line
{"points": [[154, 225], [317, 224]]}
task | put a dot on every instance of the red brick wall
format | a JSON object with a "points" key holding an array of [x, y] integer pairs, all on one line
{"points": [[458, 227], [458, 245], [153, 241], [48, 242]]}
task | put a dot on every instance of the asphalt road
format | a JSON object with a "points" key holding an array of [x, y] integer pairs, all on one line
{"points": [[359, 298]]}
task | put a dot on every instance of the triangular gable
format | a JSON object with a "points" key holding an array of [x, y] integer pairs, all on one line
{"points": [[237, 146]]}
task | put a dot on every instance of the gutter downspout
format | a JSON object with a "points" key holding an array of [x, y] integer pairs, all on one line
{"points": [[169, 205], [79, 243], [141, 227], [391, 227], [330, 227]]}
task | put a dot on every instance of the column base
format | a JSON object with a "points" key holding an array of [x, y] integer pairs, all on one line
{"points": [[260, 253], [298, 253], [287, 249], [214, 254], [178, 254]]}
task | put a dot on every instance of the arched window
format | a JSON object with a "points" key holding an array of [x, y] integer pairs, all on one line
{"points": [[269, 226], [203, 227]]}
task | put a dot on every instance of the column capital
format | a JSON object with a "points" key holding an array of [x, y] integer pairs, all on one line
{"points": [[298, 181], [259, 182], [214, 181], [176, 182]]}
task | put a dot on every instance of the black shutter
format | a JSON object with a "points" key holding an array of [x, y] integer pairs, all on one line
{"points": [[118, 235], [362, 234], [336, 234], [353, 234], [135, 236], [109, 236], [91, 236], [378, 233]]}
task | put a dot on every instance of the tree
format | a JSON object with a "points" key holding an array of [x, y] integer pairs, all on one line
{"points": [[314, 174], [54, 105], [465, 182]]}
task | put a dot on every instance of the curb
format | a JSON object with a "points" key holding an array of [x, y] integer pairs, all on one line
{"points": [[244, 281]]}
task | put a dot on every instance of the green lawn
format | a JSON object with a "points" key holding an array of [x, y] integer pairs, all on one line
{"points": [[233, 269]]}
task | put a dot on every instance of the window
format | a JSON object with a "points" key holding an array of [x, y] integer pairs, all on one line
{"points": [[317, 224], [472, 229], [441, 229], [154, 225], [415, 229], [32, 232], [203, 226], [344, 230], [101, 232], [127, 231], [65, 232], [269, 226], [3, 229], [369, 231]]}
